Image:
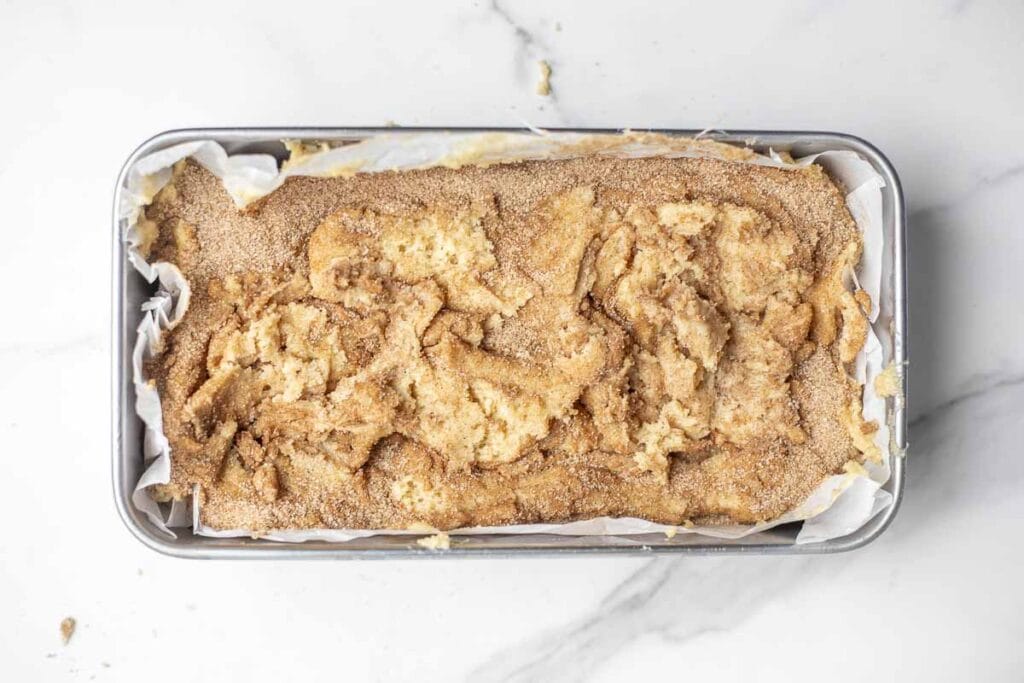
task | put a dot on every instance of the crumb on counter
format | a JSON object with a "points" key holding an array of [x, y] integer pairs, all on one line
{"points": [[887, 383], [544, 84], [67, 629], [439, 541], [671, 532]]}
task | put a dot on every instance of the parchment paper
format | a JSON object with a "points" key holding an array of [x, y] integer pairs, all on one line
{"points": [[839, 505]]}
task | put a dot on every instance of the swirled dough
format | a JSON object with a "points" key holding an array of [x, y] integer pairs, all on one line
{"points": [[542, 341]]}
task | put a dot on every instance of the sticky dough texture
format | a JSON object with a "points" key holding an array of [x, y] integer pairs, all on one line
{"points": [[584, 346]]}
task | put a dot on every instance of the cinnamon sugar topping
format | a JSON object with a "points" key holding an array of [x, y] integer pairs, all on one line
{"points": [[540, 341]]}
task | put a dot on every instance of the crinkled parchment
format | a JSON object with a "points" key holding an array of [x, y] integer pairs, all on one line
{"points": [[838, 506]]}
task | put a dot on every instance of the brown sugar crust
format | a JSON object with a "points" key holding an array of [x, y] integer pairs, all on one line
{"points": [[540, 341]]}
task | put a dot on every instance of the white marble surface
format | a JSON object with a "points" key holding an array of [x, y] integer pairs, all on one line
{"points": [[936, 85]]}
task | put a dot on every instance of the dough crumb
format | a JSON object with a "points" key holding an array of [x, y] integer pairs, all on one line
{"points": [[67, 629], [544, 84], [888, 382], [299, 150], [671, 532], [855, 468], [439, 541]]}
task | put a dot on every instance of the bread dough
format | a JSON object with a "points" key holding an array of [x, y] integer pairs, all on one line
{"points": [[543, 341]]}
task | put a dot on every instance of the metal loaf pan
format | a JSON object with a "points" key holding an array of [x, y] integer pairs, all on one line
{"points": [[130, 290]]}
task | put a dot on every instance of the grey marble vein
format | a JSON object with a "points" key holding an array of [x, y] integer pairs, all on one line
{"points": [[530, 49], [569, 653], [961, 6], [62, 346], [677, 600], [674, 599], [985, 184], [526, 43], [980, 386], [807, 14], [944, 291]]}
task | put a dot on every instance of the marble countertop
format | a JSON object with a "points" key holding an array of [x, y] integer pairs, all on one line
{"points": [[935, 85]]}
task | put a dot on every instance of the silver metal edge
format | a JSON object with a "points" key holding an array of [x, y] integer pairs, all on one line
{"points": [[244, 549]]}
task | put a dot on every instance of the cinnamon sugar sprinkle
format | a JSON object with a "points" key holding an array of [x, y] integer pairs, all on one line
{"points": [[533, 342]]}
